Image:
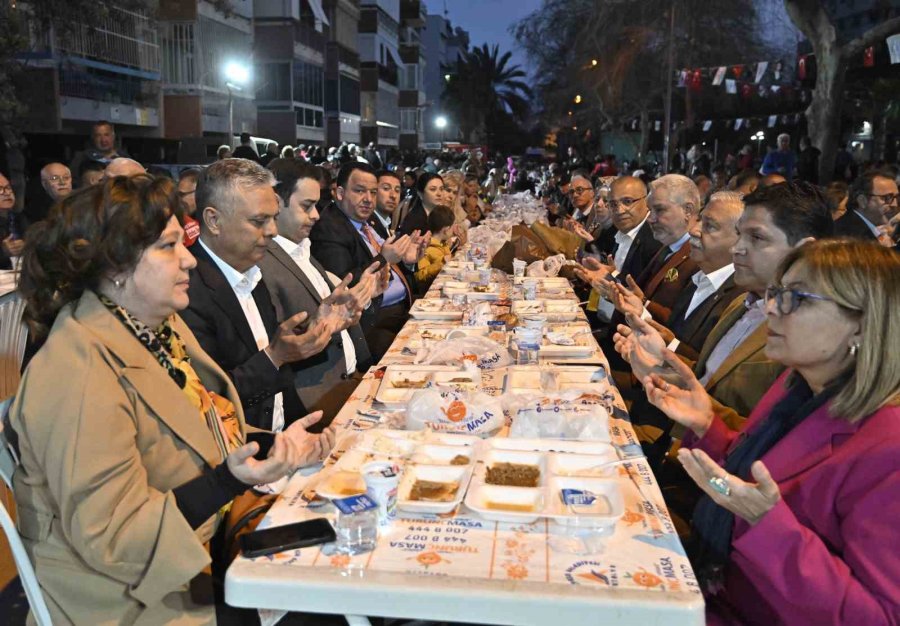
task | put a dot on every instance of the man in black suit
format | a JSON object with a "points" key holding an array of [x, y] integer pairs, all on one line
{"points": [[635, 244], [230, 310], [389, 190], [712, 289], [245, 150], [874, 195], [297, 282], [343, 242]]}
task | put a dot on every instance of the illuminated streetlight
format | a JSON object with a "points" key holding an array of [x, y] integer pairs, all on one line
{"points": [[441, 122], [594, 62], [759, 137], [237, 76], [447, 77], [578, 99]]}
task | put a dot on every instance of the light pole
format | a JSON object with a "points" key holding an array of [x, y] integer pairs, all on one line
{"points": [[441, 123], [759, 137], [237, 75]]}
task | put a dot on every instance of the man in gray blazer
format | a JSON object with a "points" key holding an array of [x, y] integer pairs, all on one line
{"points": [[297, 282]]}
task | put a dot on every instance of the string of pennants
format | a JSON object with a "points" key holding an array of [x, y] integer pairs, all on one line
{"points": [[736, 124], [768, 76]]}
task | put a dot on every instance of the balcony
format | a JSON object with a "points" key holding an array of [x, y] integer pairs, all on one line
{"points": [[108, 87], [124, 38], [347, 56], [412, 13], [309, 37]]}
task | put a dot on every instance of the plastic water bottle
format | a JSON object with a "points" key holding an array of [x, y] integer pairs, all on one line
{"points": [[356, 527]]}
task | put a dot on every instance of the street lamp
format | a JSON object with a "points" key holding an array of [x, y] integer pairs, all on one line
{"points": [[236, 75], [759, 137], [441, 123]]}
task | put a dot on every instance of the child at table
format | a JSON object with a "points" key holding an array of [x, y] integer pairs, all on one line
{"points": [[440, 223]]}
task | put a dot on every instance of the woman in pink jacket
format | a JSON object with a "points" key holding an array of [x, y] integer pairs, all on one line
{"points": [[800, 519]]}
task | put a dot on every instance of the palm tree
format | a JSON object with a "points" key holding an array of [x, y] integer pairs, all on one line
{"points": [[486, 85]]}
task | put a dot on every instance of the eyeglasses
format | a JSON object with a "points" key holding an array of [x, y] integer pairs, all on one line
{"points": [[60, 179], [626, 202], [577, 191], [787, 300], [887, 198], [6, 189]]}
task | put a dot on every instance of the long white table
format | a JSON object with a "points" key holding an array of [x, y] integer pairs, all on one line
{"points": [[459, 567]]}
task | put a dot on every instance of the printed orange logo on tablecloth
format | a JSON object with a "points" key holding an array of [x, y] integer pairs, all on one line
{"points": [[456, 412], [516, 571], [643, 578], [340, 560], [631, 518], [427, 559]]}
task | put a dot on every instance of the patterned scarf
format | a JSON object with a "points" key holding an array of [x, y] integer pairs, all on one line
{"points": [[167, 347]]}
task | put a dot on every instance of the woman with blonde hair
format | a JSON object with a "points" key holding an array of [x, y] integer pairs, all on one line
{"points": [[453, 193], [798, 521]]}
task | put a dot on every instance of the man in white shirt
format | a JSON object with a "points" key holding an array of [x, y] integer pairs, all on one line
{"points": [[230, 310], [386, 202], [298, 282]]}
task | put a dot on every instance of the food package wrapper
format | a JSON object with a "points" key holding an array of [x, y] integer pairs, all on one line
{"points": [[565, 415], [546, 267], [455, 411], [481, 351]]}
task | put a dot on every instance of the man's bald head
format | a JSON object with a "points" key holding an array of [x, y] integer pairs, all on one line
{"points": [[56, 180], [124, 167]]}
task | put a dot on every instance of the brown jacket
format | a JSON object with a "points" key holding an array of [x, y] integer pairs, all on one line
{"points": [[742, 378], [663, 287], [105, 435]]}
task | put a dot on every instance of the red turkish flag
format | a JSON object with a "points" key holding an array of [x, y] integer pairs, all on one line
{"points": [[746, 91], [738, 70], [869, 57], [191, 230], [801, 68], [696, 81]]}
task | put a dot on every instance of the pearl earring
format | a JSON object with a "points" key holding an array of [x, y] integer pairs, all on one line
{"points": [[854, 348]]}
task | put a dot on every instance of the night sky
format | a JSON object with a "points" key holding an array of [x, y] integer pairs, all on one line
{"points": [[488, 21]]}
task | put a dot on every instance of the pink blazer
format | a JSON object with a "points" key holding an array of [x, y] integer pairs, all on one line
{"points": [[829, 552]]}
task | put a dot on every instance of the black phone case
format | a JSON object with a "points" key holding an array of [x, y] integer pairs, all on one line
{"points": [[327, 535]]}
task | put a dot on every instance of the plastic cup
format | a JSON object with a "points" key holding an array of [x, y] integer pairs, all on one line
{"points": [[382, 479]]}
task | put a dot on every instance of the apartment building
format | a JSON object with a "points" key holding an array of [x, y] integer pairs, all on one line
{"points": [[379, 41], [342, 110], [109, 70], [412, 74], [289, 62], [197, 43], [444, 47]]}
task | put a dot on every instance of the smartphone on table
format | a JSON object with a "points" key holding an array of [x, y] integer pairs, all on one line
{"points": [[280, 538]]}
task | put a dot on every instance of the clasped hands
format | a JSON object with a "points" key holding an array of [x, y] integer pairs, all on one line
{"points": [[408, 249], [672, 387], [626, 299], [293, 448]]}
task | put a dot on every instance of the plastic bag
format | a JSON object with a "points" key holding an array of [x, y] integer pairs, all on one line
{"points": [[564, 415], [546, 267], [486, 354], [454, 411]]}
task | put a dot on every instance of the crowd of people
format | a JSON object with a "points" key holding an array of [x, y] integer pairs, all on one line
{"points": [[209, 328]]}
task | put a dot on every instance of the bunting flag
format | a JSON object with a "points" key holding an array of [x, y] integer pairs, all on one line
{"points": [[738, 70], [761, 70], [893, 44], [773, 119], [657, 125], [731, 86], [869, 57], [707, 125], [801, 67], [738, 123], [719, 77]]}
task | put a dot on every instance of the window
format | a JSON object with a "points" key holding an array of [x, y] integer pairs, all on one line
{"points": [[274, 81], [409, 77], [349, 95], [308, 117], [409, 120], [308, 83]]}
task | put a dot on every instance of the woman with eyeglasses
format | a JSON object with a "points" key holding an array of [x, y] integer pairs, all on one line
{"points": [[798, 523], [12, 226]]}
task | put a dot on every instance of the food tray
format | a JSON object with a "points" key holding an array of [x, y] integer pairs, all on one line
{"points": [[591, 473], [421, 455], [548, 281], [468, 290], [435, 309], [584, 345], [550, 310], [527, 378], [426, 375]]}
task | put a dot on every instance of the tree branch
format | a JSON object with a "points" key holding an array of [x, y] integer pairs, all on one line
{"points": [[870, 37]]}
